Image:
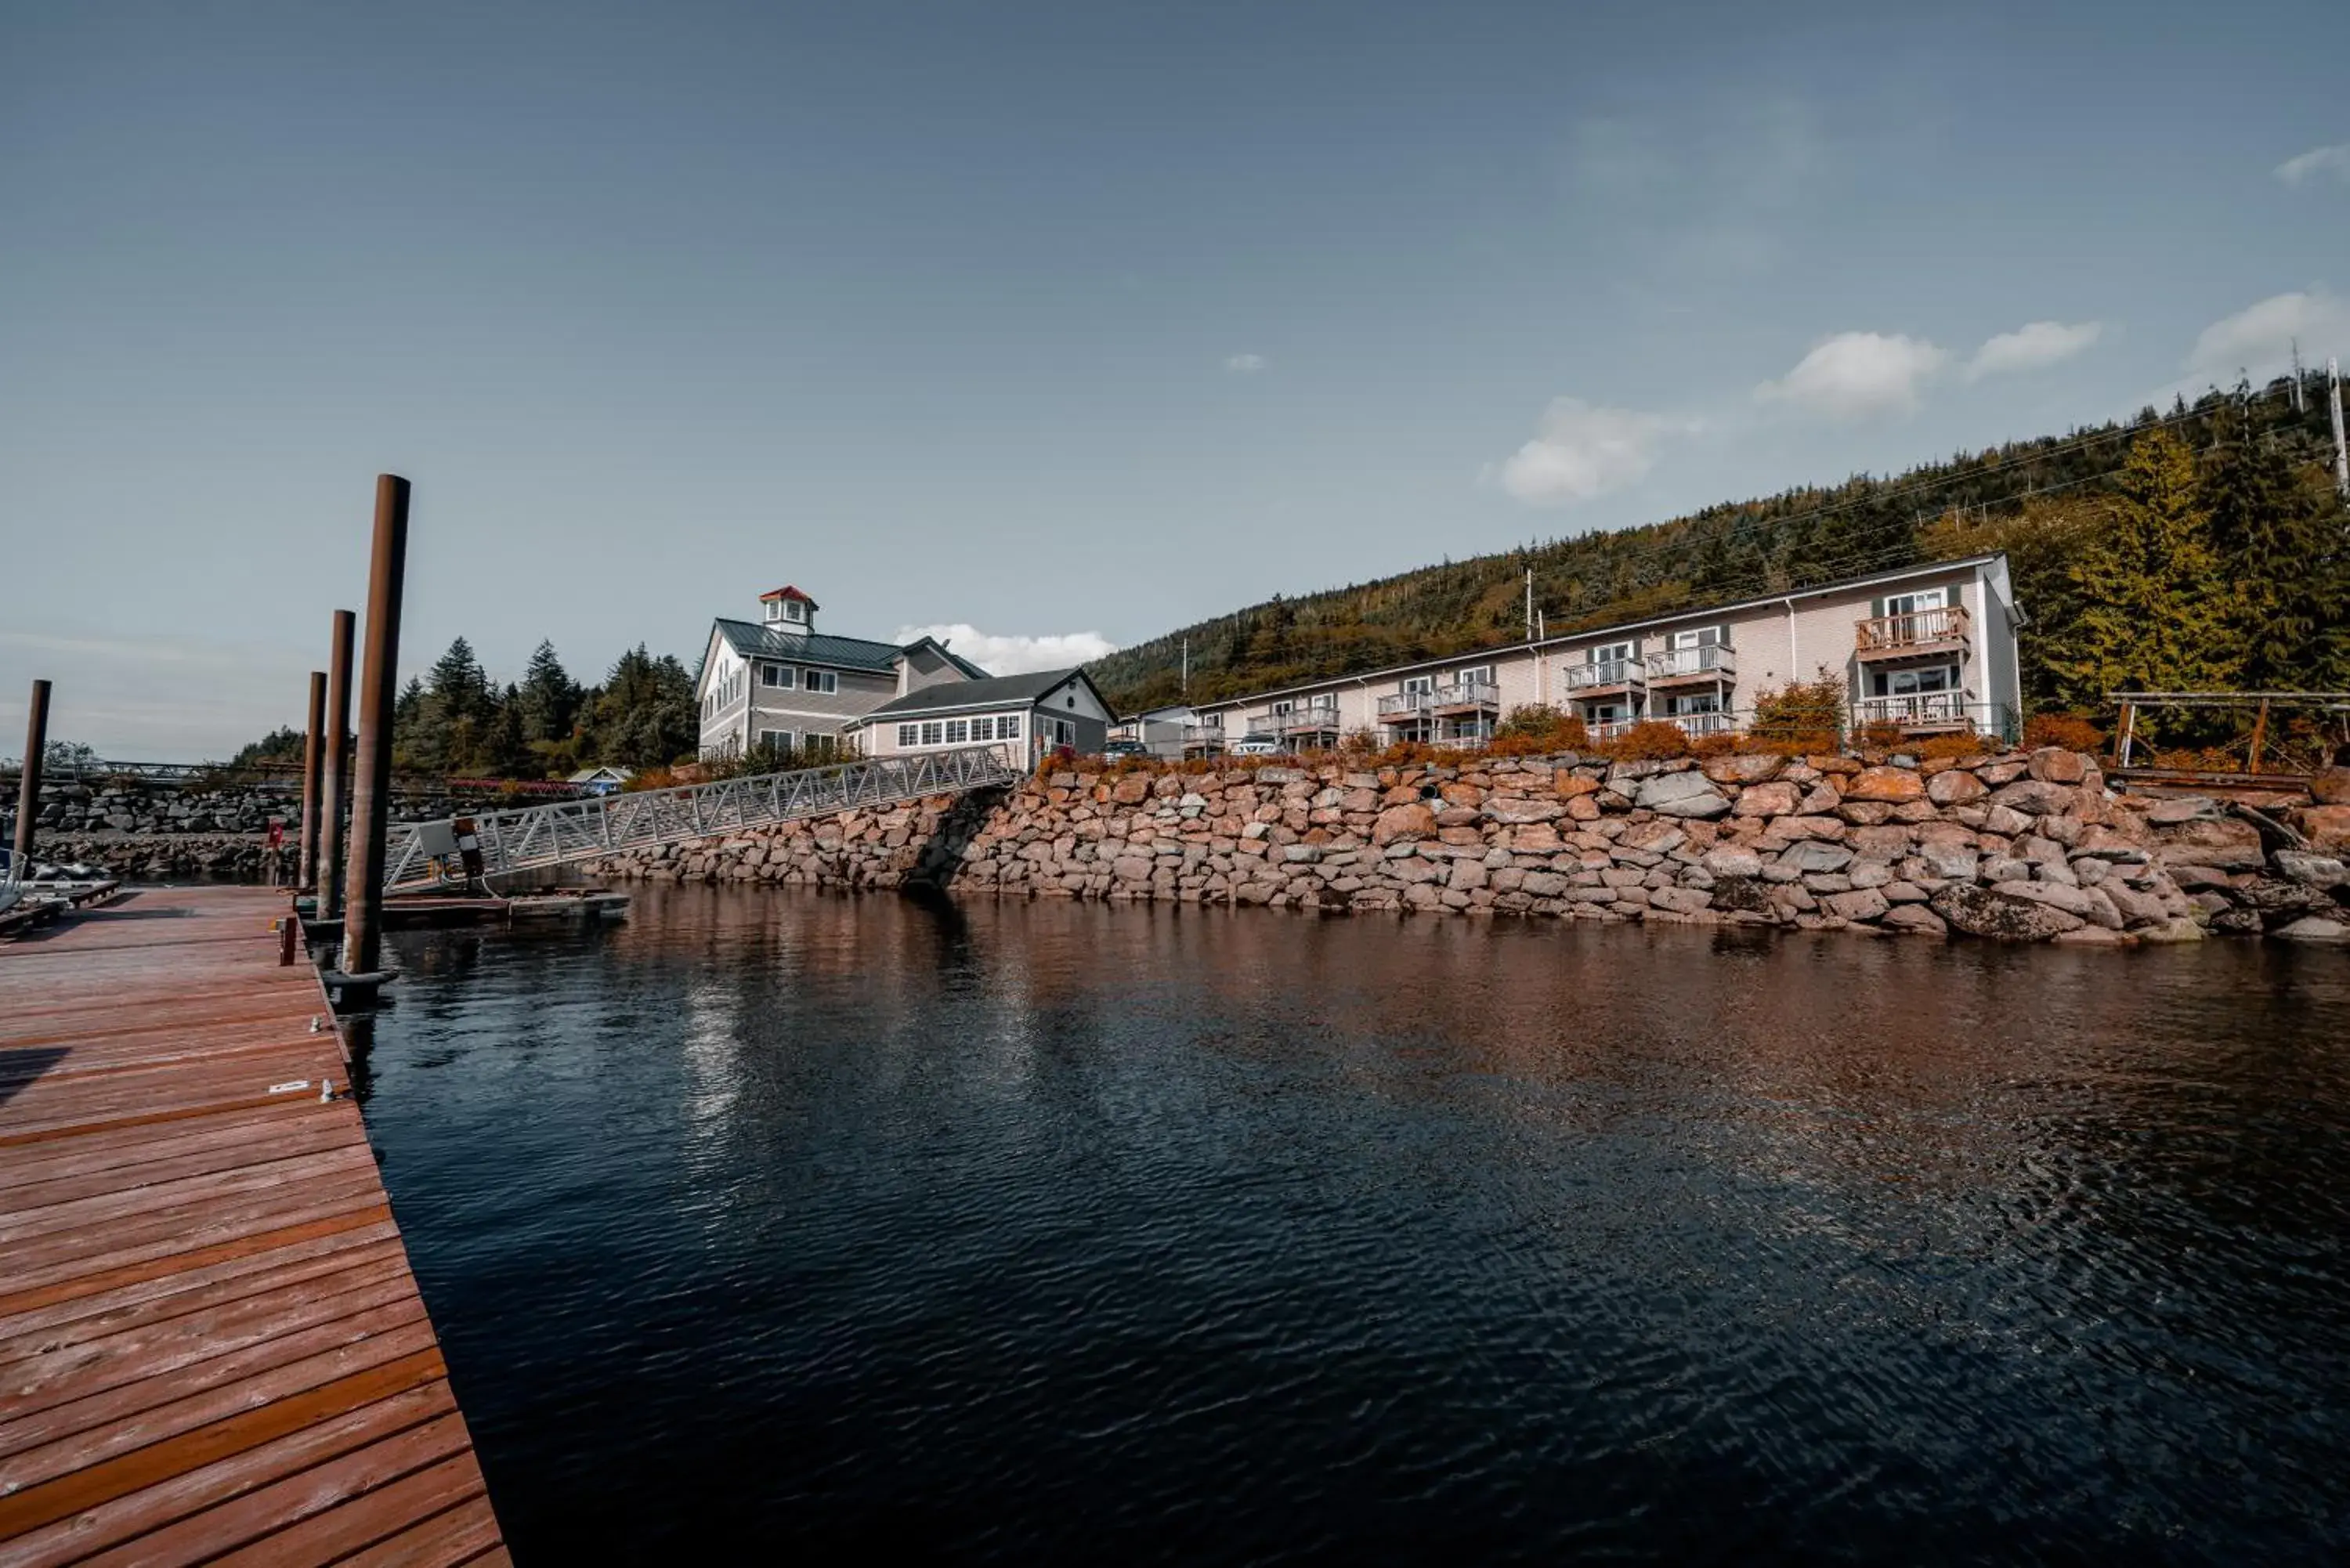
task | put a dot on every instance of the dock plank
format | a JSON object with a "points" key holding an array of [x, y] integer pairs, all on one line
{"points": [[212, 1347]]}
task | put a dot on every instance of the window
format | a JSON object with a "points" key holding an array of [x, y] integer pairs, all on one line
{"points": [[778, 676], [795, 610], [825, 681], [823, 748], [1919, 600], [1911, 682], [1483, 675], [1071, 699], [1692, 702], [982, 729], [1701, 636], [933, 733], [958, 731], [1007, 726], [1419, 683], [775, 740], [1063, 732], [1606, 712], [1611, 653], [909, 734]]}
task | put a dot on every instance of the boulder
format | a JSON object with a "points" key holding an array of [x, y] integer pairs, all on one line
{"points": [[1743, 893], [2172, 810], [1730, 860], [1860, 904], [1916, 919], [1514, 810], [1813, 855], [1568, 785], [1403, 822], [2229, 845], [1892, 785], [2073, 900], [1955, 786], [1771, 799], [2327, 829], [2034, 797], [2312, 870], [1681, 900], [1742, 770], [1951, 860], [1986, 912], [2314, 929], [2330, 786], [2054, 764], [1689, 793]]}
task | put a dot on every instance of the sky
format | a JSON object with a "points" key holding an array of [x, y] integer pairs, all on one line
{"points": [[1054, 326]]}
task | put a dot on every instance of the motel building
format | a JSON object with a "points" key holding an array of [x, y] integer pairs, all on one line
{"points": [[1931, 649]]}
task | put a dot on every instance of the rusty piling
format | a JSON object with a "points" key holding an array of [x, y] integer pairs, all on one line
{"points": [[28, 783], [313, 742], [378, 692], [335, 768]]}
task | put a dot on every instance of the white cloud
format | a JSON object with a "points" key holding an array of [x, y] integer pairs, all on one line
{"points": [[1854, 374], [1015, 655], [2261, 336], [2032, 347], [2317, 163], [1246, 364], [1581, 451]]}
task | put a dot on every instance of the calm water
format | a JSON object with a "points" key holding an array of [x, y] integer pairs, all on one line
{"points": [[801, 1225]]}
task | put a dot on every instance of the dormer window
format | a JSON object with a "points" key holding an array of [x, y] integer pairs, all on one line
{"points": [[791, 611]]}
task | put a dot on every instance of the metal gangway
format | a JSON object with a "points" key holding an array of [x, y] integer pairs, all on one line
{"points": [[422, 856]]}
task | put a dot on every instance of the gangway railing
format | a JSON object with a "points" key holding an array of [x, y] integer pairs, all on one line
{"points": [[427, 855]]}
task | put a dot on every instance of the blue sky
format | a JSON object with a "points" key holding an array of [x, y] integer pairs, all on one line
{"points": [[1053, 320]]}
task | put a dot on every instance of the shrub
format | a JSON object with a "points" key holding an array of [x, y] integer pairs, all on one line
{"points": [[1714, 745], [1880, 735], [1537, 728], [1648, 741], [2073, 732], [1951, 746], [1802, 714]]}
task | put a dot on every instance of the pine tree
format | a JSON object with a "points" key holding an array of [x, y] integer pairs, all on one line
{"points": [[2281, 555], [2152, 616], [549, 697]]}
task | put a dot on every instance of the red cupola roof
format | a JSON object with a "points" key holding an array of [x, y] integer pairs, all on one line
{"points": [[789, 592]]}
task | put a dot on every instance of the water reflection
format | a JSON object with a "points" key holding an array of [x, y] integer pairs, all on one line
{"points": [[1028, 1231]]}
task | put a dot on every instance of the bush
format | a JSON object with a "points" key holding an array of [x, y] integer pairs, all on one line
{"points": [[1951, 746], [1648, 741], [1803, 715], [2073, 732], [1880, 735], [1537, 729]]}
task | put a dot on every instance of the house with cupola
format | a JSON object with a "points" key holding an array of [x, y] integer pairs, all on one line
{"points": [[778, 684]]}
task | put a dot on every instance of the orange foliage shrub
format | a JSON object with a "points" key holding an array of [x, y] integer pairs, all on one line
{"points": [[1649, 742], [1713, 745], [1951, 746], [2073, 732], [1880, 735]]}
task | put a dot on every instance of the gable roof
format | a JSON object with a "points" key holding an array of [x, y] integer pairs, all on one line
{"points": [[789, 592], [753, 641], [993, 692], [970, 671]]}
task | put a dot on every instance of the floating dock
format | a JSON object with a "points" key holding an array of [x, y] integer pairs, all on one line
{"points": [[211, 1346]]}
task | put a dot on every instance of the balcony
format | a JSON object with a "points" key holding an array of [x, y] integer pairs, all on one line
{"points": [[1608, 729], [1692, 667], [1318, 718], [1921, 712], [1917, 634], [1203, 737], [1610, 678], [1696, 724]]}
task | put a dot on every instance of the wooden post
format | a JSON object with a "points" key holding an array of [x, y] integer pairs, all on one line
{"points": [[379, 695], [335, 768], [2123, 734], [307, 852], [28, 783], [2259, 737]]}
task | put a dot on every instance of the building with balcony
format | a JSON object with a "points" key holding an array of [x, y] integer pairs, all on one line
{"points": [[1931, 649]]}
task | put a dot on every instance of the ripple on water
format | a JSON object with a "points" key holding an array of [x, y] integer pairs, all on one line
{"points": [[1038, 1231]]}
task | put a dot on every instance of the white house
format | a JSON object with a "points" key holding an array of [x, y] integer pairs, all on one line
{"points": [[1032, 715], [780, 684]]}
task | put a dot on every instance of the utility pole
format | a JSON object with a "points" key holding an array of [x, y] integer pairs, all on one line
{"points": [[1187, 668], [2297, 406], [1530, 604], [2341, 453]]}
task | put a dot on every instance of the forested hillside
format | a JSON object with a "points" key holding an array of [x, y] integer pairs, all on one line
{"points": [[2200, 549]]}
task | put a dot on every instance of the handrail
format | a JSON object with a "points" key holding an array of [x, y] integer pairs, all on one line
{"points": [[1608, 672], [531, 837], [1675, 662], [1880, 633]]}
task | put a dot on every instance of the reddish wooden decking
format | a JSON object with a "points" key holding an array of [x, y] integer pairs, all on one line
{"points": [[211, 1346]]}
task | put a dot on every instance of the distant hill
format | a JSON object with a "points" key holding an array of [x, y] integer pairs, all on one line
{"points": [[2033, 497]]}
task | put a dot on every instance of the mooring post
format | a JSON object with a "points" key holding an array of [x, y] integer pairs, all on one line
{"points": [[379, 693], [28, 783], [307, 852], [335, 768]]}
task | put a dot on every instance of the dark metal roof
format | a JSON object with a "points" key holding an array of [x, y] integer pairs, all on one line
{"points": [[809, 648], [994, 691]]}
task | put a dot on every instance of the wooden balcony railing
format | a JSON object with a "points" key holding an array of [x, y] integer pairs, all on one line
{"points": [[1611, 672], [1923, 710], [1916, 631], [1692, 663], [1307, 721]]}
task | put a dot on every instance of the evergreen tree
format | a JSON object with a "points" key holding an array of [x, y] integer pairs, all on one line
{"points": [[2152, 617], [2281, 555], [549, 697], [645, 716]]}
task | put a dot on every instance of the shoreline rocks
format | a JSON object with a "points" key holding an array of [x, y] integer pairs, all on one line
{"points": [[2013, 846]]}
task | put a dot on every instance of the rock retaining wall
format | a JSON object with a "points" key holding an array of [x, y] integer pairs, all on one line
{"points": [[2016, 847]]}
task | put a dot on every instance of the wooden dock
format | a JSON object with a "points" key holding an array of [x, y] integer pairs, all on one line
{"points": [[211, 1347]]}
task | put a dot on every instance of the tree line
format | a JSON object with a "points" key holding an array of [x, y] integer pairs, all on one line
{"points": [[2197, 549], [455, 720]]}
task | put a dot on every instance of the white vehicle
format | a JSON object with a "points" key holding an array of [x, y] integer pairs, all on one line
{"points": [[1254, 746]]}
